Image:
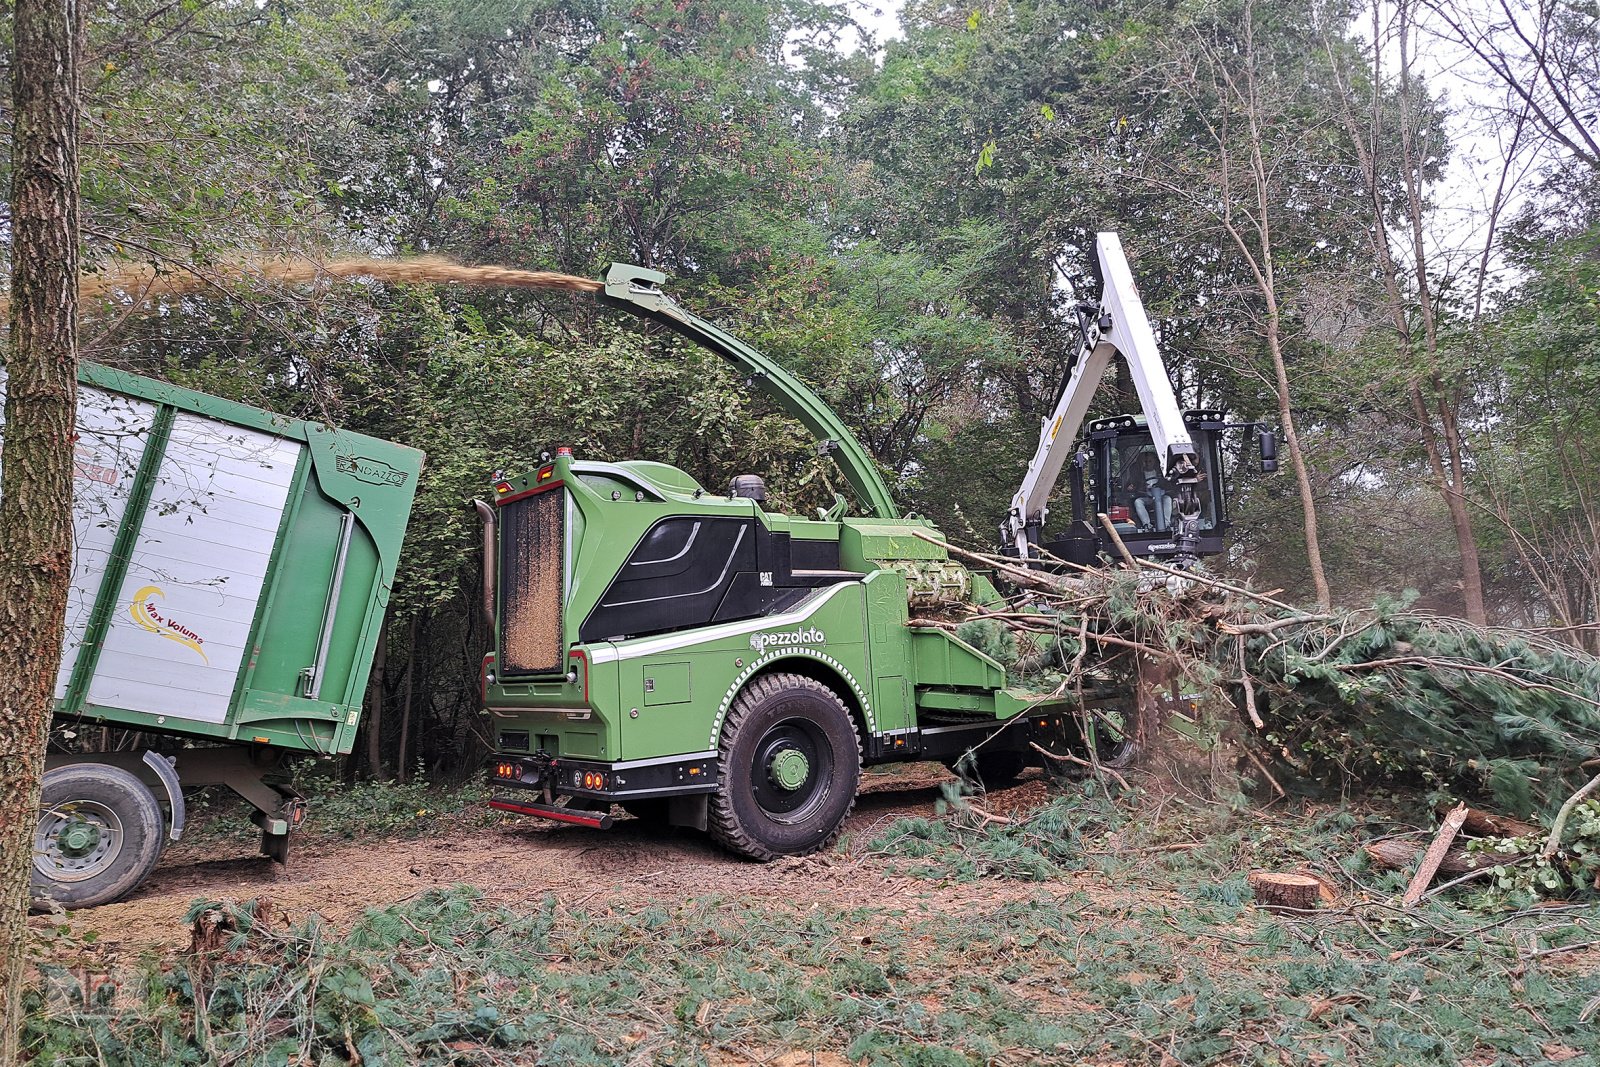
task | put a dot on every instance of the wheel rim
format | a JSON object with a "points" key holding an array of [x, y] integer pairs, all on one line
{"points": [[76, 840], [792, 768]]}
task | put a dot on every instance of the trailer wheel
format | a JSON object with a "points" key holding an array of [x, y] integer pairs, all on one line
{"points": [[791, 762], [99, 835]]}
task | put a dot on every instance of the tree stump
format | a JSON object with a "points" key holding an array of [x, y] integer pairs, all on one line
{"points": [[212, 930], [1285, 892]]}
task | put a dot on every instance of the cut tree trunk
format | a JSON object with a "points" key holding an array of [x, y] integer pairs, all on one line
{"points": [[1435, 855], [1399, 855], [1482, 823], [40, 409], [1291, 892]]}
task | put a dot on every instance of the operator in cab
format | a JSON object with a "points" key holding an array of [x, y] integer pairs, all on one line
{"points": [[1149, 491]]}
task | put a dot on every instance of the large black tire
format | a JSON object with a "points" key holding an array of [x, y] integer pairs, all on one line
{"points": [[791, 764], [99, 835]]}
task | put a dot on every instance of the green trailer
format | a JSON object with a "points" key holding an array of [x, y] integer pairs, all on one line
{"points": [[231, 570]]}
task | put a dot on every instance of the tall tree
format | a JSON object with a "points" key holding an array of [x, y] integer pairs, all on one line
{"points": [[1258, 167], [1543, 59], [40, 408], [1435, 392]]}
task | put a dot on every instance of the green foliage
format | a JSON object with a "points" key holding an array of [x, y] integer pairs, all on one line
{"points": [[1046, 844], [1392, 698], [1155, 950], [1572, 870], [370, 808], [990, 638]]}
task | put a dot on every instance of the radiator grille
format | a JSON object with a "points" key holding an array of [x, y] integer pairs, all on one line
{"points": [[530, 584]]}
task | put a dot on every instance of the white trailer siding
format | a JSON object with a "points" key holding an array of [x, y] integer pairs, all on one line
{"points": [[183, 616], [113, 431], [208, 538]]}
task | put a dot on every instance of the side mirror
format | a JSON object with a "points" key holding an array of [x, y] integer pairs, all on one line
{"points": [[1268, 442]]}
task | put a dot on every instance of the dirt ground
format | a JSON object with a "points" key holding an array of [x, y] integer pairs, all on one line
{"points": [[522, 859]]}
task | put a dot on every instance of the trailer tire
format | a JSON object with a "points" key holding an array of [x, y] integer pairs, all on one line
{"points": [[790, 767], [99, 835]]}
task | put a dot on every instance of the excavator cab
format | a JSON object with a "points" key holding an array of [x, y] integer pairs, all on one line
{"points": [[1117, 473], [1157, 476], [1130, 488]]}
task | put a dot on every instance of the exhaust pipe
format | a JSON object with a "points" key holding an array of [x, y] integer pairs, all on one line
{"points": [[490, 563]]}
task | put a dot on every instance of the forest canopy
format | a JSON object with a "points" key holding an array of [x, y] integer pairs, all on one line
{"points": [[1402, 276]]}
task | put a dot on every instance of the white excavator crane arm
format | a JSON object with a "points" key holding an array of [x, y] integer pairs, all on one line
{"points": [[1121, 326]]}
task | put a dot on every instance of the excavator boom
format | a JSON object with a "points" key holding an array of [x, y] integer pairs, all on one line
{"points": [[1119, 327]]}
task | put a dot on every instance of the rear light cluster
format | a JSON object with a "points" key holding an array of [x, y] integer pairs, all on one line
{"points": [[589, 779], [508, 770]]}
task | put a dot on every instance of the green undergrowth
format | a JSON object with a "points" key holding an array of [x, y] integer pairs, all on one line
{"points": [[1065, 974], [340, 811], [1121, 835], [1146, 838]]}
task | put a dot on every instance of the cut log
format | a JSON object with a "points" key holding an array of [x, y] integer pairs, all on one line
{"points": [[1482, 823], [1325, 889], [1434, 856], [1400, 855], [1289, 892]]}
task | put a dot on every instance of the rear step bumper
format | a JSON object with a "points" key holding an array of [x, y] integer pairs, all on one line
{"points": [[597, 820]]}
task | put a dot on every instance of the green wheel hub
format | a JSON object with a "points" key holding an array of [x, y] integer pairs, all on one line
{"points": [[79, 839], [790, 768]]}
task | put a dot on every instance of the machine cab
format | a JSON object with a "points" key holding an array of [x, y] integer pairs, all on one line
{"points": [[1119, 474]]}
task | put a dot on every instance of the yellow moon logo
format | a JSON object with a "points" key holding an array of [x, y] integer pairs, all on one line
{"points": [[147, 615]]}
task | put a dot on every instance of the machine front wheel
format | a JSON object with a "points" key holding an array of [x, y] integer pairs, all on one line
{"points": [[99, 835], [791, 763]]}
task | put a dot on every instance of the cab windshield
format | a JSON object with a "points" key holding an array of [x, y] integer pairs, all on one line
{"points": [[1138, 497]]}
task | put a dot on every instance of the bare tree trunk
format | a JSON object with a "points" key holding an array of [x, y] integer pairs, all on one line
{"points": [[1297, 458], [380, 666], [1452, 482], [1258, 250], [404, 760], [1434, 404], [36, 479]]}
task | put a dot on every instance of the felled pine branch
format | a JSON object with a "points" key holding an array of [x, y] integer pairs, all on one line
{"points": [[1376, 696]]}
